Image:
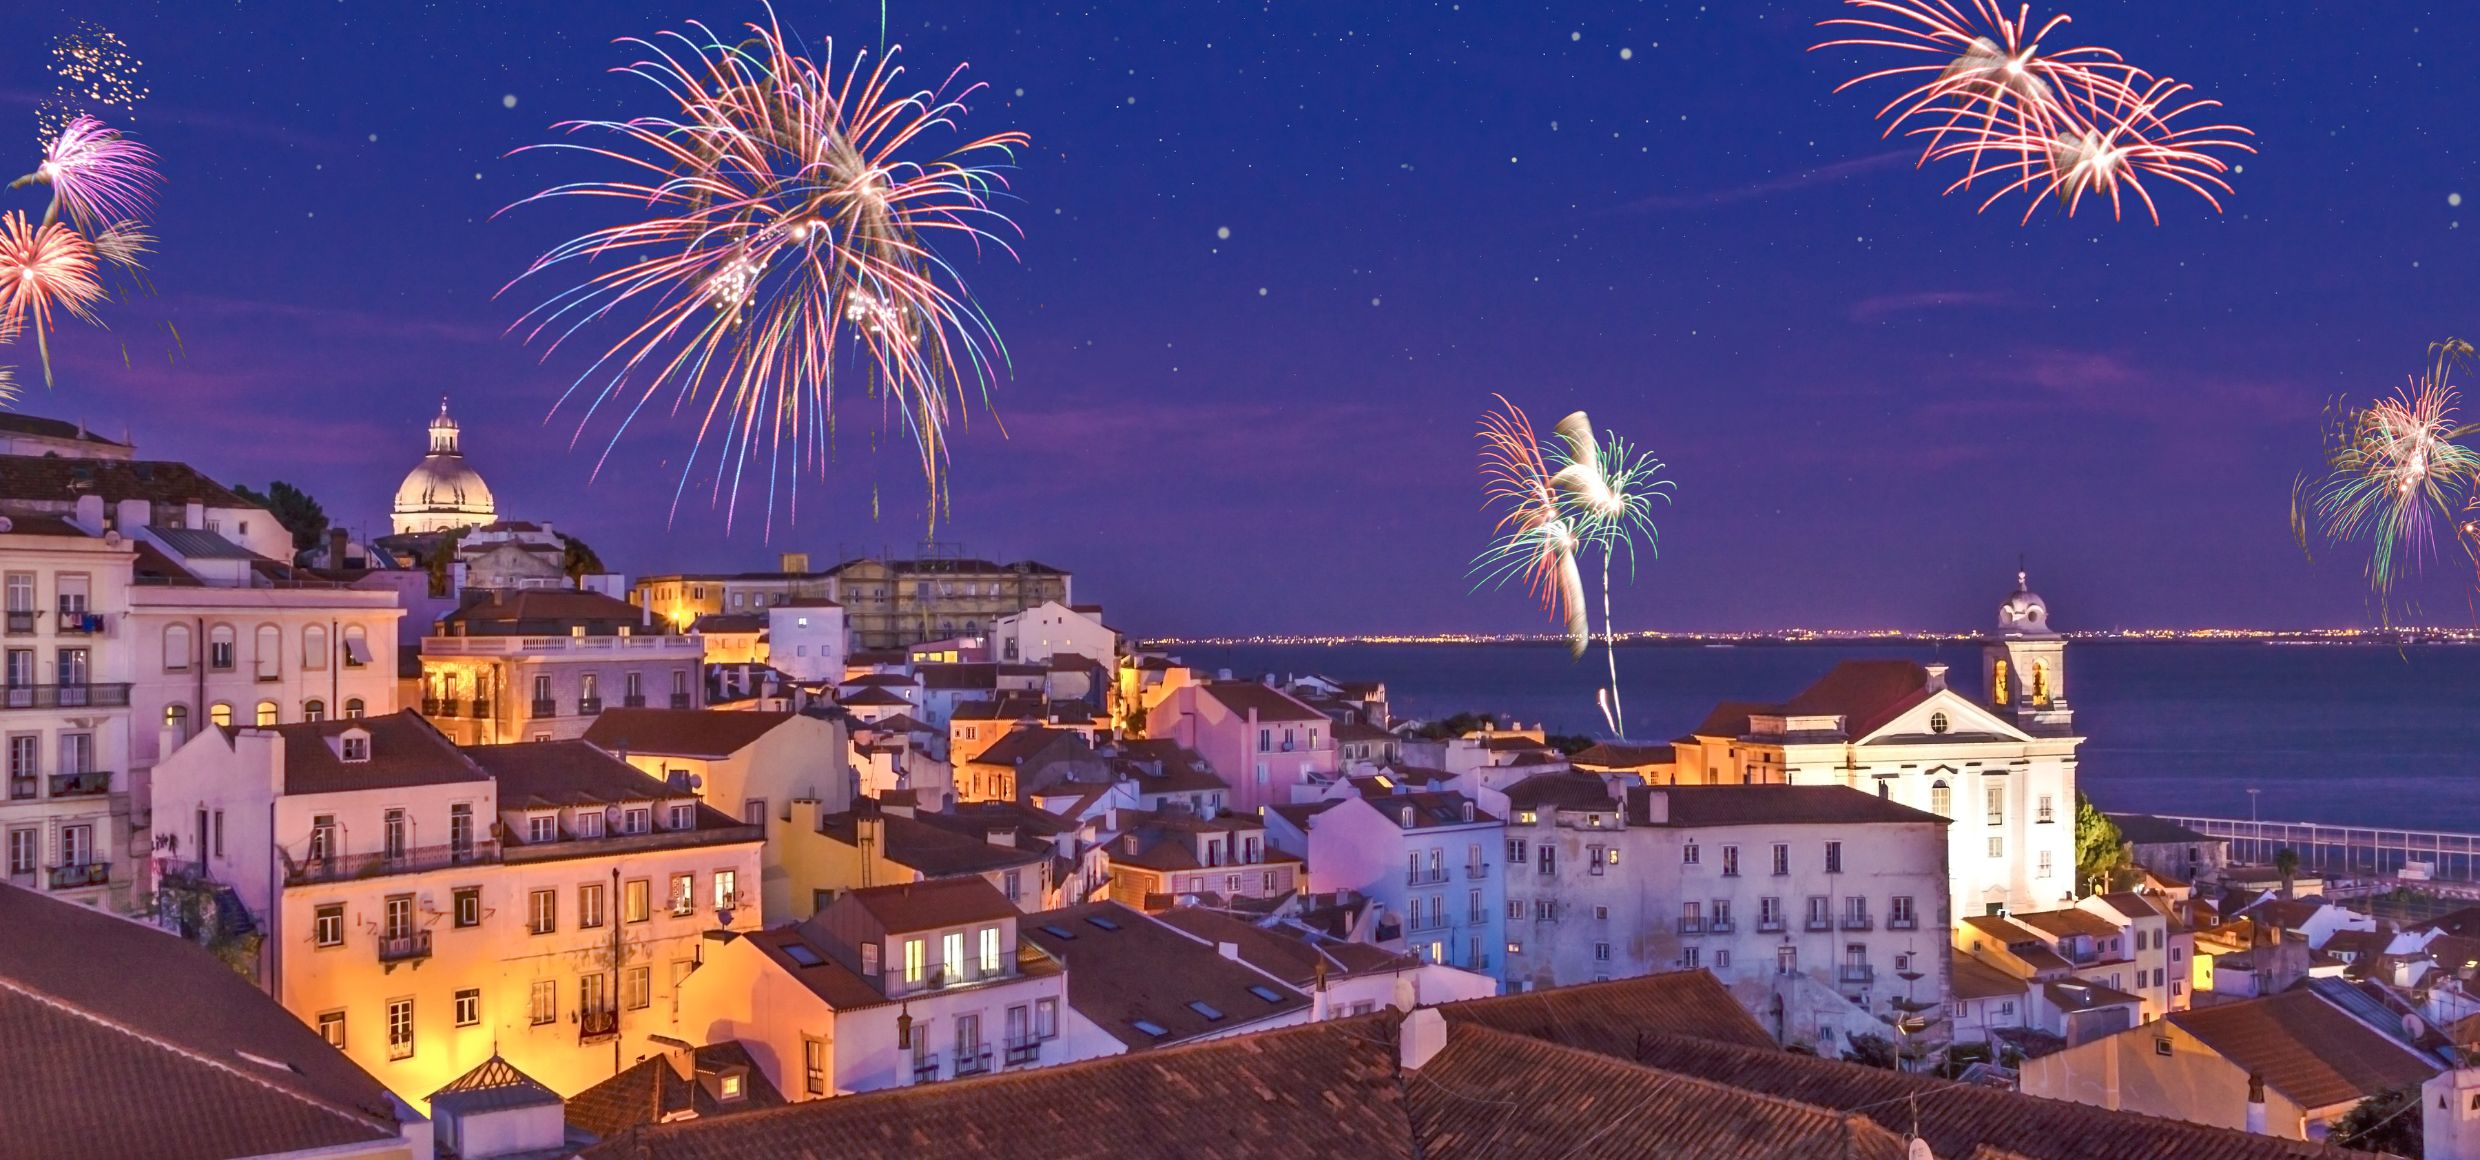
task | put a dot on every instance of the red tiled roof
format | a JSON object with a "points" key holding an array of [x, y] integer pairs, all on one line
{"points": [[706, 733], [936, 903], [2070, 921], [1866, 694], [1971, 978], [1600, 1016], [404, 750], [1612, 755], [1244, 697], [1147, 971], [1730, 718], [1748, 805], [653, 1090], [2305, 1048]]}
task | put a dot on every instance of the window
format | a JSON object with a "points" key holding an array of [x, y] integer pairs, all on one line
{"points": [[542, 828], [543, 1004], [1593, 859], [268, 714], [1688, 854], [990, 950], [1941, 800], [589, 824], [1834, 857], [1899, 915], [315, 710], [543, 913], [469, 1007], [813, 1065], [269, 652], [683, 816], [1996, 797], [1769, 913], [1730, 861], [1786, 960], [1600, 913], [1782, 858], [331, 1028], [314, 647], [400, 1028], [1938, 723], [951, 954], [327, 928], [1601, 952], [684, 895], [468, 904], [1515, 908], [176, 719], [220, 714], [23, 844], [635, 820], [2046, 812], [1690, 957], [176, 648], [1046, 1018], [356, 647], [637, 987], [354, 710], [1517, 852], [636, 903], [1549, 858], [914, 951], [1545, 910], [2174, 988], [220, 648], [590, 904], [727, 889], [2043, 871], [1997, 846]]}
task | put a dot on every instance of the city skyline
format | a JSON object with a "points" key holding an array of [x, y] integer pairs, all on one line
{"points": [[1836, 362]]}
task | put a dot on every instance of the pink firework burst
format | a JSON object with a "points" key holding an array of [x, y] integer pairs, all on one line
{"points": [[779, 237], [2113, 153], [43, 269], [96, 174]]}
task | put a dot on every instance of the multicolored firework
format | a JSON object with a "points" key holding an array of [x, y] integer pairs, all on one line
{"points": [[1587, 493], [1535, 538], [94, 70], [97, 175], [2395, 470], [782, 216], [2066, 123], [44, 269]]}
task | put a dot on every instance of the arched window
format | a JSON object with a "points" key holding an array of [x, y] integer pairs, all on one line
{"points": [[268, 713], [1997, 683], [2040, 683], [353, 710], [1941, 800], [176, 648], [267, 652], [314, 710], [314, 647], [176, 718], [220, 714], [220, 648], [356, 647]]}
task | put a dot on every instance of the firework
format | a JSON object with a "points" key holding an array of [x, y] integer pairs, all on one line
{"points": [[2394, 470], [2067, 122], [96, 174], [781, 223], [1610, 488], [43, 269], [1535, 538], [123, 244], [94, 70]]}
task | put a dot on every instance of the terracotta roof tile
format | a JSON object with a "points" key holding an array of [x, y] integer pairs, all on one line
{"points": [[1244, 697], [1139, 970], [1747, 805], [1866, 694], [2305, 1048], [654, 1090], [706, 733], [404, 750]]}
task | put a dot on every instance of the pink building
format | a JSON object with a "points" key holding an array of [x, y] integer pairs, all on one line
{"points": [[1262, 741]]}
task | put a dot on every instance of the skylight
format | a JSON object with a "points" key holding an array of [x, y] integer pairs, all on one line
{"points": [[1206, 1009], [1266, 993], [1152, 1028], [1103, 923], [1058, 932], [802, 955]]}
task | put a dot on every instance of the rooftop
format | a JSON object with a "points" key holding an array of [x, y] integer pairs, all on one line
{"points": [[2146, 830], [1245, 697], [45, 479], [1690, 806], [404, 751], [929, 905], [933, 851], [1148, 984], [2067, 923], [704, 733], [655, 1090], [2305, 1048], [1573, 790]]}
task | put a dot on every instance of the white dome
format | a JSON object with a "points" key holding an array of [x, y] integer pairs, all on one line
{"points": [[2024, 613], [443, 491]]}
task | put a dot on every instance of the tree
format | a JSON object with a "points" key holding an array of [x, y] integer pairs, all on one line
{"points": [[443, 556], [577, 561], [293, 508], [1455, 726], [1872, 1051], [2385, 1122], [2100, 850], [2286, 864]]}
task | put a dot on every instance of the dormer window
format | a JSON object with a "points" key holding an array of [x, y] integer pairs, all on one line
{"points": [[353, 745], [683, 816], [542, 828], [731, 1086], [589, 823]]}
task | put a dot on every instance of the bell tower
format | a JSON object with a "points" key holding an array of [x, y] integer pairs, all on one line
{"points": [[2024, 665]]}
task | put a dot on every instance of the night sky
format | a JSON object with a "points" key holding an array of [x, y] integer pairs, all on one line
{"points": [[1872, 399]]}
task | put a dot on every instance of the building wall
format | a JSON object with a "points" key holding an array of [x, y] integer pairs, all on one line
{"points": [[805, 758], [808, 642], [170, 639], [2128, 1072], [1359, 846], [459, 670], [1251, 756], [1048, 629], [890, 608], [40, 809]]}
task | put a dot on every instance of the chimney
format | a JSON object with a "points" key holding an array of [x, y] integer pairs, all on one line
{"points": [[1936, 677], [131, 514], [1424, 1034], [194, 515], [336, 540], [2256, 1105], [89, 514], [795, 562]]}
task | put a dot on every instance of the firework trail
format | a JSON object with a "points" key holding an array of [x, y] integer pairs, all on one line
{"points": [[2067, 122], [43, 269], [1535, 538], [2393, 470], [781, 216], [1609, 488]]}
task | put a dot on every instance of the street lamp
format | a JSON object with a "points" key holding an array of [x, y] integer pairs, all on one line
{"points": [[2252, 792]]}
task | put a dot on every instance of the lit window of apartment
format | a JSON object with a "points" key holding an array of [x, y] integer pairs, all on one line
{"points": [[543, 1002], [469, 1007], [331, 1028], [400, 1028], [636, 900], [727, 889], [590, 905], [684, 895], [327, 925], [913, 960], [543, 911]]}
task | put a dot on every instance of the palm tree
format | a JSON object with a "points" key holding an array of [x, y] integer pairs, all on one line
{"points": [[2286, 863]]}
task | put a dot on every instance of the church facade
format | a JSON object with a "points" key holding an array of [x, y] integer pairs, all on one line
{"points": [[1996, 756]]}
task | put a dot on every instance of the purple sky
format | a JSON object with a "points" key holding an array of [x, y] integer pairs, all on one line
{"points": [[1872, 399]]}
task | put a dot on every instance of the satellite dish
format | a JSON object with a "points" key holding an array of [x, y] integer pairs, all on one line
{"points": [[1918, 1149]]}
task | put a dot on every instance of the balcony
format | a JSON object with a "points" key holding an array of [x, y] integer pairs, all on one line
{"points": [[926, 1068], [1771, 926], [1818, 922], [79, 877], [21, 623], [1903, 922], [633, 701], [21, 787], [544, 708], [87, 783], [589, 706], [1024, 1054], [433, 707], [1855, 974], [76, 622], [405, 948], [1477, 870], [973, 1062], [347, 867], [680, 700], [1429, 877], [1858, 922], [1419, 924], [1691, 926], [78, 696], [449, 707], [597, 1023], [481, 709]]}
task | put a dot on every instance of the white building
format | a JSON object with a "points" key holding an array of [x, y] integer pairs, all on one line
{"points": [[807, 641], [64, 811], [1823, 909], [424, 905], [2001, 768], [1431, 858], [1050, 628]]}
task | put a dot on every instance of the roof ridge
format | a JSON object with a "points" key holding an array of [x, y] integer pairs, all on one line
{"points": [[50, 1000]]}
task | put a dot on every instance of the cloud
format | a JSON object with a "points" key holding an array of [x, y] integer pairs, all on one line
{"points": [[1772, 185], [1921, 301]]}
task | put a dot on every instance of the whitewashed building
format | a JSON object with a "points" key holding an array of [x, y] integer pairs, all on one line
{"points": [[1431, 858]]}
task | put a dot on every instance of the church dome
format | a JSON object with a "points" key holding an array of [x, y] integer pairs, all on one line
{"points": [[443, 491], [2024, 613]]}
